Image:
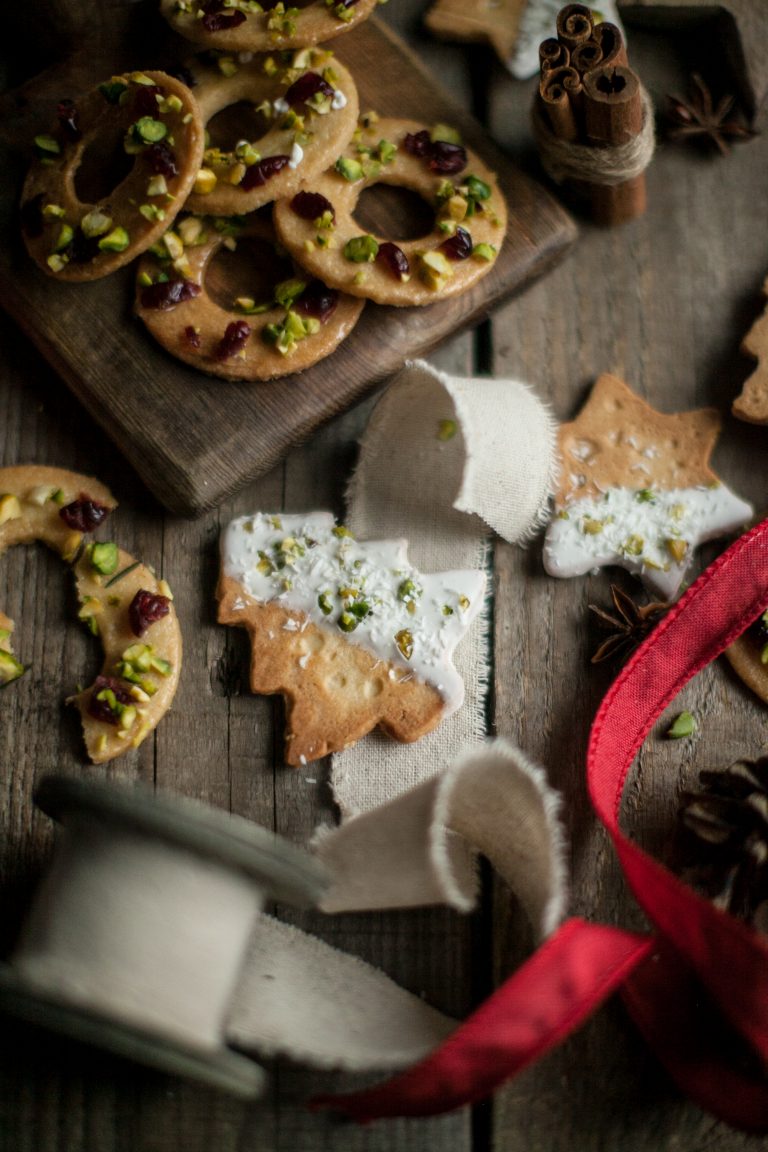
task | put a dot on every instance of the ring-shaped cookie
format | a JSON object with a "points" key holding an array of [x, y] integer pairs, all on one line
{"points": [[319, 229], [163, 132], [300, 323], [120, 599], [312, 110], [236, 28]]}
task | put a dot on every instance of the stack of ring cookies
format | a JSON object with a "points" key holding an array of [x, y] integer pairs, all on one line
{"points": [[284, 175]]}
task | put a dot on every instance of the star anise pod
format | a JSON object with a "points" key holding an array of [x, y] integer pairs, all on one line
{"points": [[724, 841], [628, 627], [701, 117]]}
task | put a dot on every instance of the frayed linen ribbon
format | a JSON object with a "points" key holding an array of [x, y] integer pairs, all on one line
{"points": [[608, 164], [445, 461], [698, 987]]}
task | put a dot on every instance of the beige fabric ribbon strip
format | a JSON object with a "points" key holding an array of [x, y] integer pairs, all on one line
{"points": [[446, 497], [148, 934]]}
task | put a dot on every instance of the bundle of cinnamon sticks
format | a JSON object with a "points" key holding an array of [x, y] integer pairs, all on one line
{"points": [[588, 95]]}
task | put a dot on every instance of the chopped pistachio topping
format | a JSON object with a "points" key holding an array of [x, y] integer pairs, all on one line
{"points": [[10, 668], [113, 90], [325, 603], [47, 145], [348, 168], [95, 223], [10, 509], [404, 642], [484, 252], [446, 429], [104, 557], [434, 269], [115, 241], [682, 726], [361, 249]]}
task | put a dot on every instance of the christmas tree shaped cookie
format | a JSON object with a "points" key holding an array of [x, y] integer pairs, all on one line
{"points": [[350, 633], [636, 490]]}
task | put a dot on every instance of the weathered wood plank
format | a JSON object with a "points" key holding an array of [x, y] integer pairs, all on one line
{"points": [[664, 303]]}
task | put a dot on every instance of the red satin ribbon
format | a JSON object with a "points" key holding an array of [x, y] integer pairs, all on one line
{"points": [[698, 990]]}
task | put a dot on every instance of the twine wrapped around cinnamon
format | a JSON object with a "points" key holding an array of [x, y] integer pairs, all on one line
{"points": [[592, 118]]}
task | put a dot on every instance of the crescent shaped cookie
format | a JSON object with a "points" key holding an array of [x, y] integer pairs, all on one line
{"points": [[242, 28], [348, 632], [59, 508], [133, 614], [158, 123], [309, 112], [470, 216]]}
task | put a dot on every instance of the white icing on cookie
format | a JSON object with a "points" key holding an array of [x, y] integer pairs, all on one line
{"points": [[367, 590], [651, 533]]}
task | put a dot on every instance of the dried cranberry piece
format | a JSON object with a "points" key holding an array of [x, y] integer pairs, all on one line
{"points": [[447, 158], [162, 159], [458, 246], [306, 87], [258, 174], [233, 340], [217, 18], [83, 514], [100, 709], [317, 300], [395, 259], [311, 205], [441, 156], [32, 219], [192, 336], [145, 101], [146, 608], [168, 293], [68, 117], [418, 143], [83, 248]]}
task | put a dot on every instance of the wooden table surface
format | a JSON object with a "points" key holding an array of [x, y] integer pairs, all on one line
{"points": [[664, 303]]}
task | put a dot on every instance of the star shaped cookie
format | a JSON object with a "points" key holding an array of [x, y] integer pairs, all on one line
{"points": [[637, 490], [494, 22], [744, 28]]}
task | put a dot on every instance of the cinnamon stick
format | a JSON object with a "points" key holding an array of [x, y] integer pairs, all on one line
{"points": [[553, 54], [595, 100], [574, 25], [605, 46], [560, 94], [613, 114], [611, 42]]}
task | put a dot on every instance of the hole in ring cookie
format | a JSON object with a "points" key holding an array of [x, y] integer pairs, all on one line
{"points": [[214, 25], [319, 225], [310, 113], [74, 236], [395, 212], [253, 270], [251, 334]]}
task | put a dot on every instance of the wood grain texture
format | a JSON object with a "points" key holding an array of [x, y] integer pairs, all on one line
{"points": [[195, 439], [664, 303]]}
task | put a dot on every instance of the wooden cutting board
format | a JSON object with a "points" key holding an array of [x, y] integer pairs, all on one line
{"points": [[194, 439]]}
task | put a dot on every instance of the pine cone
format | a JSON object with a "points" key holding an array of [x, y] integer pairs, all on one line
{"points": [[726, 838]]}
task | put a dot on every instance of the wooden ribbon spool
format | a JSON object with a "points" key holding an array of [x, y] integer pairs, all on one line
{"points": [[136, 936]]}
